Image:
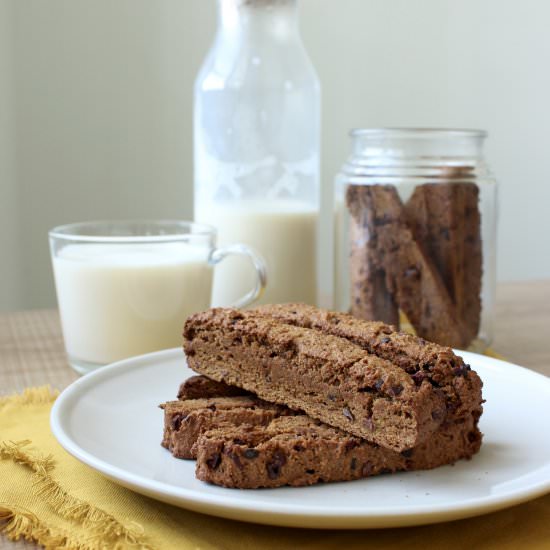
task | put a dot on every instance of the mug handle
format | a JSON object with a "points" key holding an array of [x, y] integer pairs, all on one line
{"points": [[218, 254]]}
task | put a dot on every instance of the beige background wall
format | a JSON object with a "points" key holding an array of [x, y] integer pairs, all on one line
{"points": [[102, 99], [10, 290]]}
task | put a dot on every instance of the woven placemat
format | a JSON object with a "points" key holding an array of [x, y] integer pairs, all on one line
{"points": [[32, 352]]}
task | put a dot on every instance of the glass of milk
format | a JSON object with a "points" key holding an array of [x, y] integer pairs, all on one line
{"points": [[125, 288]]}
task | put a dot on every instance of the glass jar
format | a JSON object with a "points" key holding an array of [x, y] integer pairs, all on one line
{"points": [[257, 138], [415, 224]]}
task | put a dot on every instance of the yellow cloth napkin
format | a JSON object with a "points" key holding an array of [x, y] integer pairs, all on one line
{"points": [[49, 497]]}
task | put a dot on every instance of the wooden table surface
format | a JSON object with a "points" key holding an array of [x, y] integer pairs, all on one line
{"points": [[31, 345]]}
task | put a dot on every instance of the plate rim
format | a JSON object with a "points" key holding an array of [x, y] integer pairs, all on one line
{"points": [[274, 513]]}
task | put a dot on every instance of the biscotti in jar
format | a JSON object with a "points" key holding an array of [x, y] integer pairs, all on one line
{"points": [[415, 233]]}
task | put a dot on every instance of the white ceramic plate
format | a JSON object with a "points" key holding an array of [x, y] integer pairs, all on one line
{"points": [[110, 420]]}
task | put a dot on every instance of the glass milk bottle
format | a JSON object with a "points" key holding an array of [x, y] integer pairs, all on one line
{"points": [[256, 139]]}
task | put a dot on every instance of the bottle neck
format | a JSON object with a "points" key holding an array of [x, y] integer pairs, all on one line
{"points": [[258, 18]]}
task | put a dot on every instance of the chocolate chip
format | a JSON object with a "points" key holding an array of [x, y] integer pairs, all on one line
{"points": [[473, 437], [298, 448], [385, 471], [348, 414], [353, 464], [382, 221], [189, 333], [366, 469], [214, 461], [369, 424], [385, 340], [351, 444], [418, 377], [421, 342], [396, 390], [251, 453], [239, 441], [411, 272], [378, 384], [438, 414], [310, 471], [176, 421], [461, 370], [331, 397], [274, 466], [212, 407], [407, 453]]}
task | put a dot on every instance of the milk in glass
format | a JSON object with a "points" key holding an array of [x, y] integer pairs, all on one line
{"points": [[120, 300]]}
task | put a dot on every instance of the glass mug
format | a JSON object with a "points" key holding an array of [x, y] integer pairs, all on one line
{"points": [[125, 288]]}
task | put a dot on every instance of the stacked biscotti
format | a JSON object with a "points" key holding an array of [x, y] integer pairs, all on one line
{"points": [[325, 397], [422, 257]]}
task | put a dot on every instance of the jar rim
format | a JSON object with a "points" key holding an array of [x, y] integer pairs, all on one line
{"points": [[418, 132]]}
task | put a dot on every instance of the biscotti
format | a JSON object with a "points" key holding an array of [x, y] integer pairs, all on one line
{"points": [[371, 297], [328, 377], [184, 421], [421, 359], [201, 387], [411, 276], [445, 219], [299, 451], [237, 446]]}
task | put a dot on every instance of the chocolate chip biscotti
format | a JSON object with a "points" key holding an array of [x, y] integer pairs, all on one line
{"points": [[328, 377], [184, 421], [371, 295], [422, 360], [445, 219], [411, 276], [219, 433], [299, 451]]}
